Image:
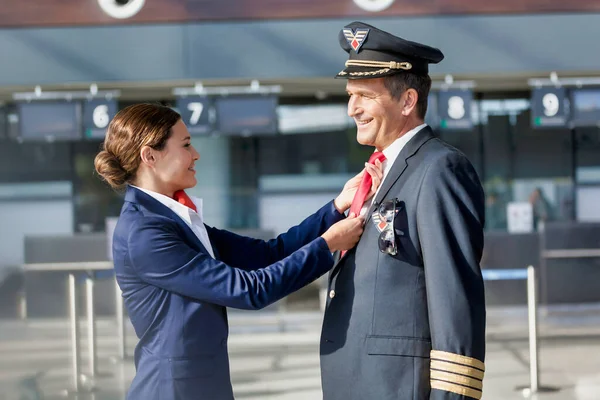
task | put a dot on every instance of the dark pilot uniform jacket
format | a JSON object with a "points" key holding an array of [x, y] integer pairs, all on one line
{"points": [[412, 325]]}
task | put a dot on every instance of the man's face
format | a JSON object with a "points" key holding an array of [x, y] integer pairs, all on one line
{"points": [[377, 115]]}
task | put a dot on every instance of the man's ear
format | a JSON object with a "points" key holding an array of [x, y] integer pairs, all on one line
{"points": [[410, 101], [148, 155]]}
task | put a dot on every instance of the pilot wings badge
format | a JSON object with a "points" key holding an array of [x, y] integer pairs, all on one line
{"points": [[357, 38], [380, 224]]}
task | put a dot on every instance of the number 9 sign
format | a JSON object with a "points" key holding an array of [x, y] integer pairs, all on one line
{"points": [[549, 108], [551, 104]]}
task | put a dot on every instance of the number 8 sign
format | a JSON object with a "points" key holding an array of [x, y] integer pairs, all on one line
{"points": [[455, 109]]}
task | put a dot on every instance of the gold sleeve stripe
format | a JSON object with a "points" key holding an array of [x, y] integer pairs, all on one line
{"points": [[457, 358], [450, 387], [457, 369], [458, 379]]}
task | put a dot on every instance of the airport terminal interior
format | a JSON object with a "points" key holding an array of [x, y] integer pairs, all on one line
{"points": [[254, 83]]}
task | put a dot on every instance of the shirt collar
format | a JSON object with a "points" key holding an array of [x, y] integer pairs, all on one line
{"points": [[181, 210]]}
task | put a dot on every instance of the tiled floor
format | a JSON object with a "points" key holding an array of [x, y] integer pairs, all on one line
{"points": [[269, 363]]}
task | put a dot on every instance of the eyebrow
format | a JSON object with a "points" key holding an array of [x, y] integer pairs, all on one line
{"points": [[186, 138], [361, 92]]}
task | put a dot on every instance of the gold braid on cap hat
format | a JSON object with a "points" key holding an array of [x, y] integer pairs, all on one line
{"points": [[379, 64]]}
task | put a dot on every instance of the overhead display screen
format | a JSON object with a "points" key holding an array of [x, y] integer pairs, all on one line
{"points": [[585, 107], [49, 121], [246, 115]]}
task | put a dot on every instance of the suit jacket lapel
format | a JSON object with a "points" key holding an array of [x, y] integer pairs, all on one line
{"points": [[400, 165], [134, 195], [398, 168]]}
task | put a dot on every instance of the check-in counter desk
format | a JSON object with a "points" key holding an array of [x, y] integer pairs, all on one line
{"points": [[566, 256], [570, 263], [503, 250]]}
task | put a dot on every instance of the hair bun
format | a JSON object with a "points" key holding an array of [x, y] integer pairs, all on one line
{"points": [[110, 169]]}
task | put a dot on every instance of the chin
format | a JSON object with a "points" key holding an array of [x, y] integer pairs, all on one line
{"points": [[188, 183], [365, 140]]}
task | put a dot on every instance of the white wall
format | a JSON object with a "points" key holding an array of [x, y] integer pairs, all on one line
{"points": [[20, 218], [588, 204]]}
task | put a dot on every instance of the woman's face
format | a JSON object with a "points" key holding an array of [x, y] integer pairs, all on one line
{"points": [[174, 167]]}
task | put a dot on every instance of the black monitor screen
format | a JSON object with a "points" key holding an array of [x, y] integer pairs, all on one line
{"points": [[50, 120], [586, 107], [246, 115]]}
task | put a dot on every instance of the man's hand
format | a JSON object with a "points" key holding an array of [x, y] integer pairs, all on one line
{"points": [[344, 199]]}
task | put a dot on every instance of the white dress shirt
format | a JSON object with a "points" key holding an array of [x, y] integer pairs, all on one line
{"points": [[192, 218], [391, 153]]}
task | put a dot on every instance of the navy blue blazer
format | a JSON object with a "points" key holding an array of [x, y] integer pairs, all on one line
{"points": [[176, 293]]}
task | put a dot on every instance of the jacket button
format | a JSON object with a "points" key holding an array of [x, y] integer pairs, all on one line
{"points": [[331, 294]]}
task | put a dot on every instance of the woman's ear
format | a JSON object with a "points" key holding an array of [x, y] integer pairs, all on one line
{"points": [[148, 155]]}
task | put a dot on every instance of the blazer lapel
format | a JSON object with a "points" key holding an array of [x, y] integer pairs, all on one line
{"points": [[136, 196], [400, 165], [398, 168]]}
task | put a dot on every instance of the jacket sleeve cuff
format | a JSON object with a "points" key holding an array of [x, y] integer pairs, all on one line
{"points": [[456, 373], [333, 213]]}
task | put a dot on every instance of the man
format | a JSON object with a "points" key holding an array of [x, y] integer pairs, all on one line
{"points": [[542, 209], [405, 317]]}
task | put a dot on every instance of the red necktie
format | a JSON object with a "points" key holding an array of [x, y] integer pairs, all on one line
{"points": [[181, 197], [364, 188]]}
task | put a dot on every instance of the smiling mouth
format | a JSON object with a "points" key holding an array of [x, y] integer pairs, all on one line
{"points": [[360, 123]]}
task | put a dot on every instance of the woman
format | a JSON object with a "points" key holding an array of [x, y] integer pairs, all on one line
{"points": [[178, 275]]}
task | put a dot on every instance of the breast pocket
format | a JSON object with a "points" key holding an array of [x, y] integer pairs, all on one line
{"points": [[407, 252]]}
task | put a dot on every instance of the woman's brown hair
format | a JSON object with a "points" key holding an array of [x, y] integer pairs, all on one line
{"points": [[131, 129]]}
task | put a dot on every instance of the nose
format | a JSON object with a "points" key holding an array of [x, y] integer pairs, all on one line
{"points": [[353, 107], [195, 154]]}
